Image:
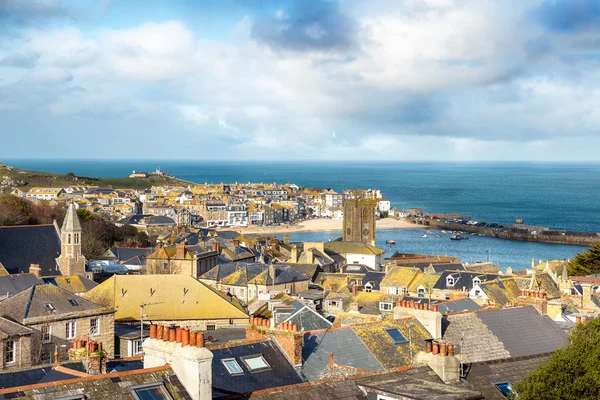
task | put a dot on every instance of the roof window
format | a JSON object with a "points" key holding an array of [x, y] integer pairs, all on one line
{"points": [[152, 391], [232, 366], [49, 307], [73, 302], [396, 335], [256, 363], [505, 388]]}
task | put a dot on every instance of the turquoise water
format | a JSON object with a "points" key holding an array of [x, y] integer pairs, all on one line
{"points": [[562, 196]]}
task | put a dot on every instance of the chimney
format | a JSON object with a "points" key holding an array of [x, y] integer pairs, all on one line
{"points": [[445, 364], [35, 270], [354, 306], [193, 365], [286, 239], [577, 320], [309, 256], [180, 251], [272, 273], [216, 247], [294, 255], [236, 243]]}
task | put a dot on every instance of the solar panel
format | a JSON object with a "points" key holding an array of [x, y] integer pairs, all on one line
{"points": [[396, 335]]}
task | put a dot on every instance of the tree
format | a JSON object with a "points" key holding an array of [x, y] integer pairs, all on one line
{"points": [[586, 263], [572, 372]]}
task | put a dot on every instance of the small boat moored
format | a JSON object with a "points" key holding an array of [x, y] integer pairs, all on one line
{"points": [[424, 236], [390, 242], [458, 236]]}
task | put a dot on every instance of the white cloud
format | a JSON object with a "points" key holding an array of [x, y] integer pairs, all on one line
{"points": [[50, 75]]}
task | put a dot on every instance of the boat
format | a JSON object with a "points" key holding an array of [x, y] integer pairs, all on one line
{"points": [[444, 231], [458, 236], [438, 236], [424, 236], [429, 233], [390, 242]]}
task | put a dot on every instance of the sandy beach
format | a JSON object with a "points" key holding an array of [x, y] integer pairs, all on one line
{"points": [[325, 224]]}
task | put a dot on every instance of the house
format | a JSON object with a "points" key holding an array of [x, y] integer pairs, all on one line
{"points": [[500, 334], [358, 253], [56, 317], [177, 299], [181, 259], [44, 193], [281, 308], [398, 279], [457, 284], [132, 258], [75, 284], [240, 369], [13, 284], [278, 279]]}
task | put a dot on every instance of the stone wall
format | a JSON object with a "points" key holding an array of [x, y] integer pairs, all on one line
{"points": [[289, 342], [22, 353]]}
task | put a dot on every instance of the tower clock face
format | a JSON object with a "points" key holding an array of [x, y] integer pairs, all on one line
{"points": [[365, 232]]}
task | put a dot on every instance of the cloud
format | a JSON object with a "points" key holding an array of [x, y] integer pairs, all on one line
{"points": [[50, 75], [17, 59], [319, 25]]}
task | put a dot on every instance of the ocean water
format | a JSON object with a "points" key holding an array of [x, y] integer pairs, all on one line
{"points": [[557, 195]]}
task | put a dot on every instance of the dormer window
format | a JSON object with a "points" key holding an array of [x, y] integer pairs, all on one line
{"points": [[450, 281], [368, 287], [476, 281]]}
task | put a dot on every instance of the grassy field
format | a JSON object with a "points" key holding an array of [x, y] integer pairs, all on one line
{"points": [[13, 177]]}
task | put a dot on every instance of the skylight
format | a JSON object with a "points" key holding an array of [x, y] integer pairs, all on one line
{"points": [[396, 335], [256, 363], [505, 388], [156, 391], [73, 302], [232, 366], [49, 307]]}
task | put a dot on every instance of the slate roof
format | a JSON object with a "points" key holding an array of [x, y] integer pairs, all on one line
{"points": [[283, 274], [374, 278], [72, 283], [462, 279], [10, 328], [281, 372], [34, 375], [482, 376], [499, 334], [220, 271], [347, 347], [31, 303], [21, 246], [501, 292], [115, 386], [173, 297], [71, 221], [13, 284], [133, 256], [355, 269], [400, 276], [458, 305], [308, 320], [311, 271], [353, 248]]}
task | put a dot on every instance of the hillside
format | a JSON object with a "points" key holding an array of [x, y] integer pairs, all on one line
{"points": [[11, 178]]}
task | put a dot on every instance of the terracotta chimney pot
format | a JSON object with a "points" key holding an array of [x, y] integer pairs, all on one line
{"points": [[398, 303], [543, 295], [172, 335], [193, 342], [435, 348], [252, 320], [185, 337], [443, 349], [435, 308], [159, 332], [428, 346], [99, 346], [178, 335], [166, 334], [331, 362], [56, 360], [152, 331], [295, 328], [200, 339], [281, 326], [451, 350], [265, 322]]}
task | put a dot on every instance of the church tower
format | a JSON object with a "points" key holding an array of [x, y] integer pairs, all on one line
{"points": [[359, 217], [71, 260]]}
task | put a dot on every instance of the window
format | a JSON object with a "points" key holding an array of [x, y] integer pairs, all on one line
{"points": [[211, 327], [447, 295], [9, 352], [450, 281], [505, 388], [368, 288], [94, 326], [256, 363], [45, 358], [49, 307], [68, 238], [396, 335], [476, 281], [232, 366], [392, 290], [385, 306], [153, 391], [73, 302], [137, 347], [70, 331], [404, 290], [46, 333], [421, 292]]}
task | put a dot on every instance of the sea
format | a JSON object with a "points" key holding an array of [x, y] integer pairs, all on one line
{"points": [[556, 195]]}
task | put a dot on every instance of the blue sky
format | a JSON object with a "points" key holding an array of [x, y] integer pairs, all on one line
{"points": [[300, 80]]}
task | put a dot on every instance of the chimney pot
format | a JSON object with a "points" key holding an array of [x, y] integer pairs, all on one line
{"points": [[577, 320], [185, 337], [172, 334], [435, 308], [159, 332], [428, 345], [252, 320], [200, 339], [543, 295], [193, 342], [282, 326], [435, 349], [56, 361], [295, 328], [152, 331], [99, 346], [443, 349], [331, 358], [178, 335], [451, 350]]}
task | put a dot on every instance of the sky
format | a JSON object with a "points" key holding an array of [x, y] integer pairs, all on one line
{"points": [[402, 80]]}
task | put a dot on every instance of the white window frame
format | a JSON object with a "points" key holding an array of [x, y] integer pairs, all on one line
{"points": [[137, 347], [447, 295], [392, 290], [226, 360], [385, 306], [253, 370], [10, 348], [96, 332], [46, 333], [368, 287], [71, 329], [450, 281], [404, 290]]}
